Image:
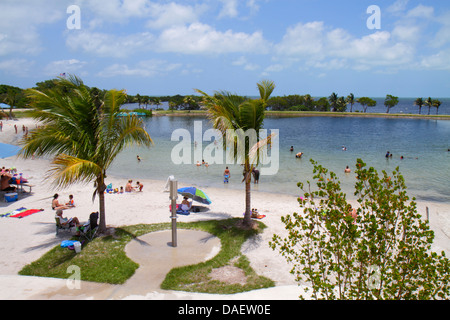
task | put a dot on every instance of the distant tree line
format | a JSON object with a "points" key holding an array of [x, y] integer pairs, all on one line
{"points": [[15, 96]]}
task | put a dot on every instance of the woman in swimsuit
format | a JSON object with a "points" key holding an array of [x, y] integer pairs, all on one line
{"points": [[56, 205]]}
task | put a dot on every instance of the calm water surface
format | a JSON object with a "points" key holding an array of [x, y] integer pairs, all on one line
{"points": [[422, 143]]}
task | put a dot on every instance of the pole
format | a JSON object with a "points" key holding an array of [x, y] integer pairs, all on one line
{"points": [[173, 198]]}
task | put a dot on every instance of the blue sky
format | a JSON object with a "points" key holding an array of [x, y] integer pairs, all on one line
{"points": [[171, 47]]}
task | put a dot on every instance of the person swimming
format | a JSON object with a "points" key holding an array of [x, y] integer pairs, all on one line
{"points": [[299, 155]]}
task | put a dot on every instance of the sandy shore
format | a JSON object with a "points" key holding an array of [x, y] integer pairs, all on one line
{"points": [[25, 240]]}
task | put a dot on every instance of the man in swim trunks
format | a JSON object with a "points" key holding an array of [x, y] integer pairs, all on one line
{"points": [[226, 175]]}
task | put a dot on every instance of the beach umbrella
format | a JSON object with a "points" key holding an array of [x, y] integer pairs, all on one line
{"points": [[195, 194]]}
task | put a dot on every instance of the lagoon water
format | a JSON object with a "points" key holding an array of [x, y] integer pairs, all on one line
{"points": [[422, 143]]}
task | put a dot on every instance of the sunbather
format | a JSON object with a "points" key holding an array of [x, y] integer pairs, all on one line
{"points": [[4, 183], [185, 204], [73, 222], [56, 205]]}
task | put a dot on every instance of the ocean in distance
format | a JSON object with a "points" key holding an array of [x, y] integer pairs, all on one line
{"points": [[422, 143]]}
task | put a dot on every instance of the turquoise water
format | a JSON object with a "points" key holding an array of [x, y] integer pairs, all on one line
{"points": [[8, 150], [422, 143]]}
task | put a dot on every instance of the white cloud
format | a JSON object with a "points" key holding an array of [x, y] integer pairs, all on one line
{"points": [[173, 14], [108, 45], [421, 11], [303, 39], [199, 38], [148, 68], [248, 66], [229, 9], [320, 46], [398, 6], [19, 24], [438, 61], [16, 67], [64, 66]]}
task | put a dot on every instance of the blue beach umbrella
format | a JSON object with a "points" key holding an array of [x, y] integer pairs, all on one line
{"points": [[195, 194]]}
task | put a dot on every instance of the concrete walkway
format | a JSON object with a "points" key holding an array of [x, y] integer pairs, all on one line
{"points": [[156, 257]]}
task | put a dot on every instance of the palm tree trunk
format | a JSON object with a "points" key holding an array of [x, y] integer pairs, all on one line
{"points": [[248, 180], [101, 187]]}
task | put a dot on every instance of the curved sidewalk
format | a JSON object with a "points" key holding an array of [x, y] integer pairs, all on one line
{"points": [[156, 257]]}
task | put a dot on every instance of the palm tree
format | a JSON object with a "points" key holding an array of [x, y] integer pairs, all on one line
{"points": [[85, 137], [229, 112], [419, 102], [429, 104], [351, 100], [437, 104], [333, 101]]}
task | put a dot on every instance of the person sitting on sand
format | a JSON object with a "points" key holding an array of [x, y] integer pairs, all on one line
{"points": [[4, 183], [139, 186], [56, 205], [71, 203], [185, 204], [73, 222], [128, 186]]}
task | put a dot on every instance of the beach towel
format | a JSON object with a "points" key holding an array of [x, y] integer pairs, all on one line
{"points": [[25, 213], [67, 243], [259, 216], [14, 212], [184, 213]]}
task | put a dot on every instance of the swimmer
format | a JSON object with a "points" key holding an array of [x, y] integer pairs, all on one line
{"points": [[299, 155], [347, 170], [292, 148]]}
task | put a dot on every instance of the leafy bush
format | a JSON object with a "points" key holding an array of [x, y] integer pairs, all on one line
{"points": [[380, 251]]}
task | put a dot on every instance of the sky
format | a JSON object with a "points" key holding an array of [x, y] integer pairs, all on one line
{"points": [[155, 47]]}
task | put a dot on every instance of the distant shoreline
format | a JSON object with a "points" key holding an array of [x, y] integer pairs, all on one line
{"points": [[301, 114]]}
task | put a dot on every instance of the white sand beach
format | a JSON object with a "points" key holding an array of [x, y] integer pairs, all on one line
{"points": [[25, 240]]}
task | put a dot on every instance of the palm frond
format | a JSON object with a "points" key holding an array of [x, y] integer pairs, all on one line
{"points": [[66, 170]]}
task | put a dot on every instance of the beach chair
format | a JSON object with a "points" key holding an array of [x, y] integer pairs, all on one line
{"points": [[64, 227], [90, 228]]}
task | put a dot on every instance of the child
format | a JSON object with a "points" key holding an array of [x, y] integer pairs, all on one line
{"points": [[71, 203]]}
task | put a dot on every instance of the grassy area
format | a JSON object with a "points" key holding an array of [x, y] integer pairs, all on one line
{"points": [[104, 259]]}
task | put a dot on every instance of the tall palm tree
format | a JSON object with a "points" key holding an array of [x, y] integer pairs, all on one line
{"points": [[419, 102], [83, 136], [333, 101], [429, 104], [437, 104], [229, 112], [351, 100]]}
